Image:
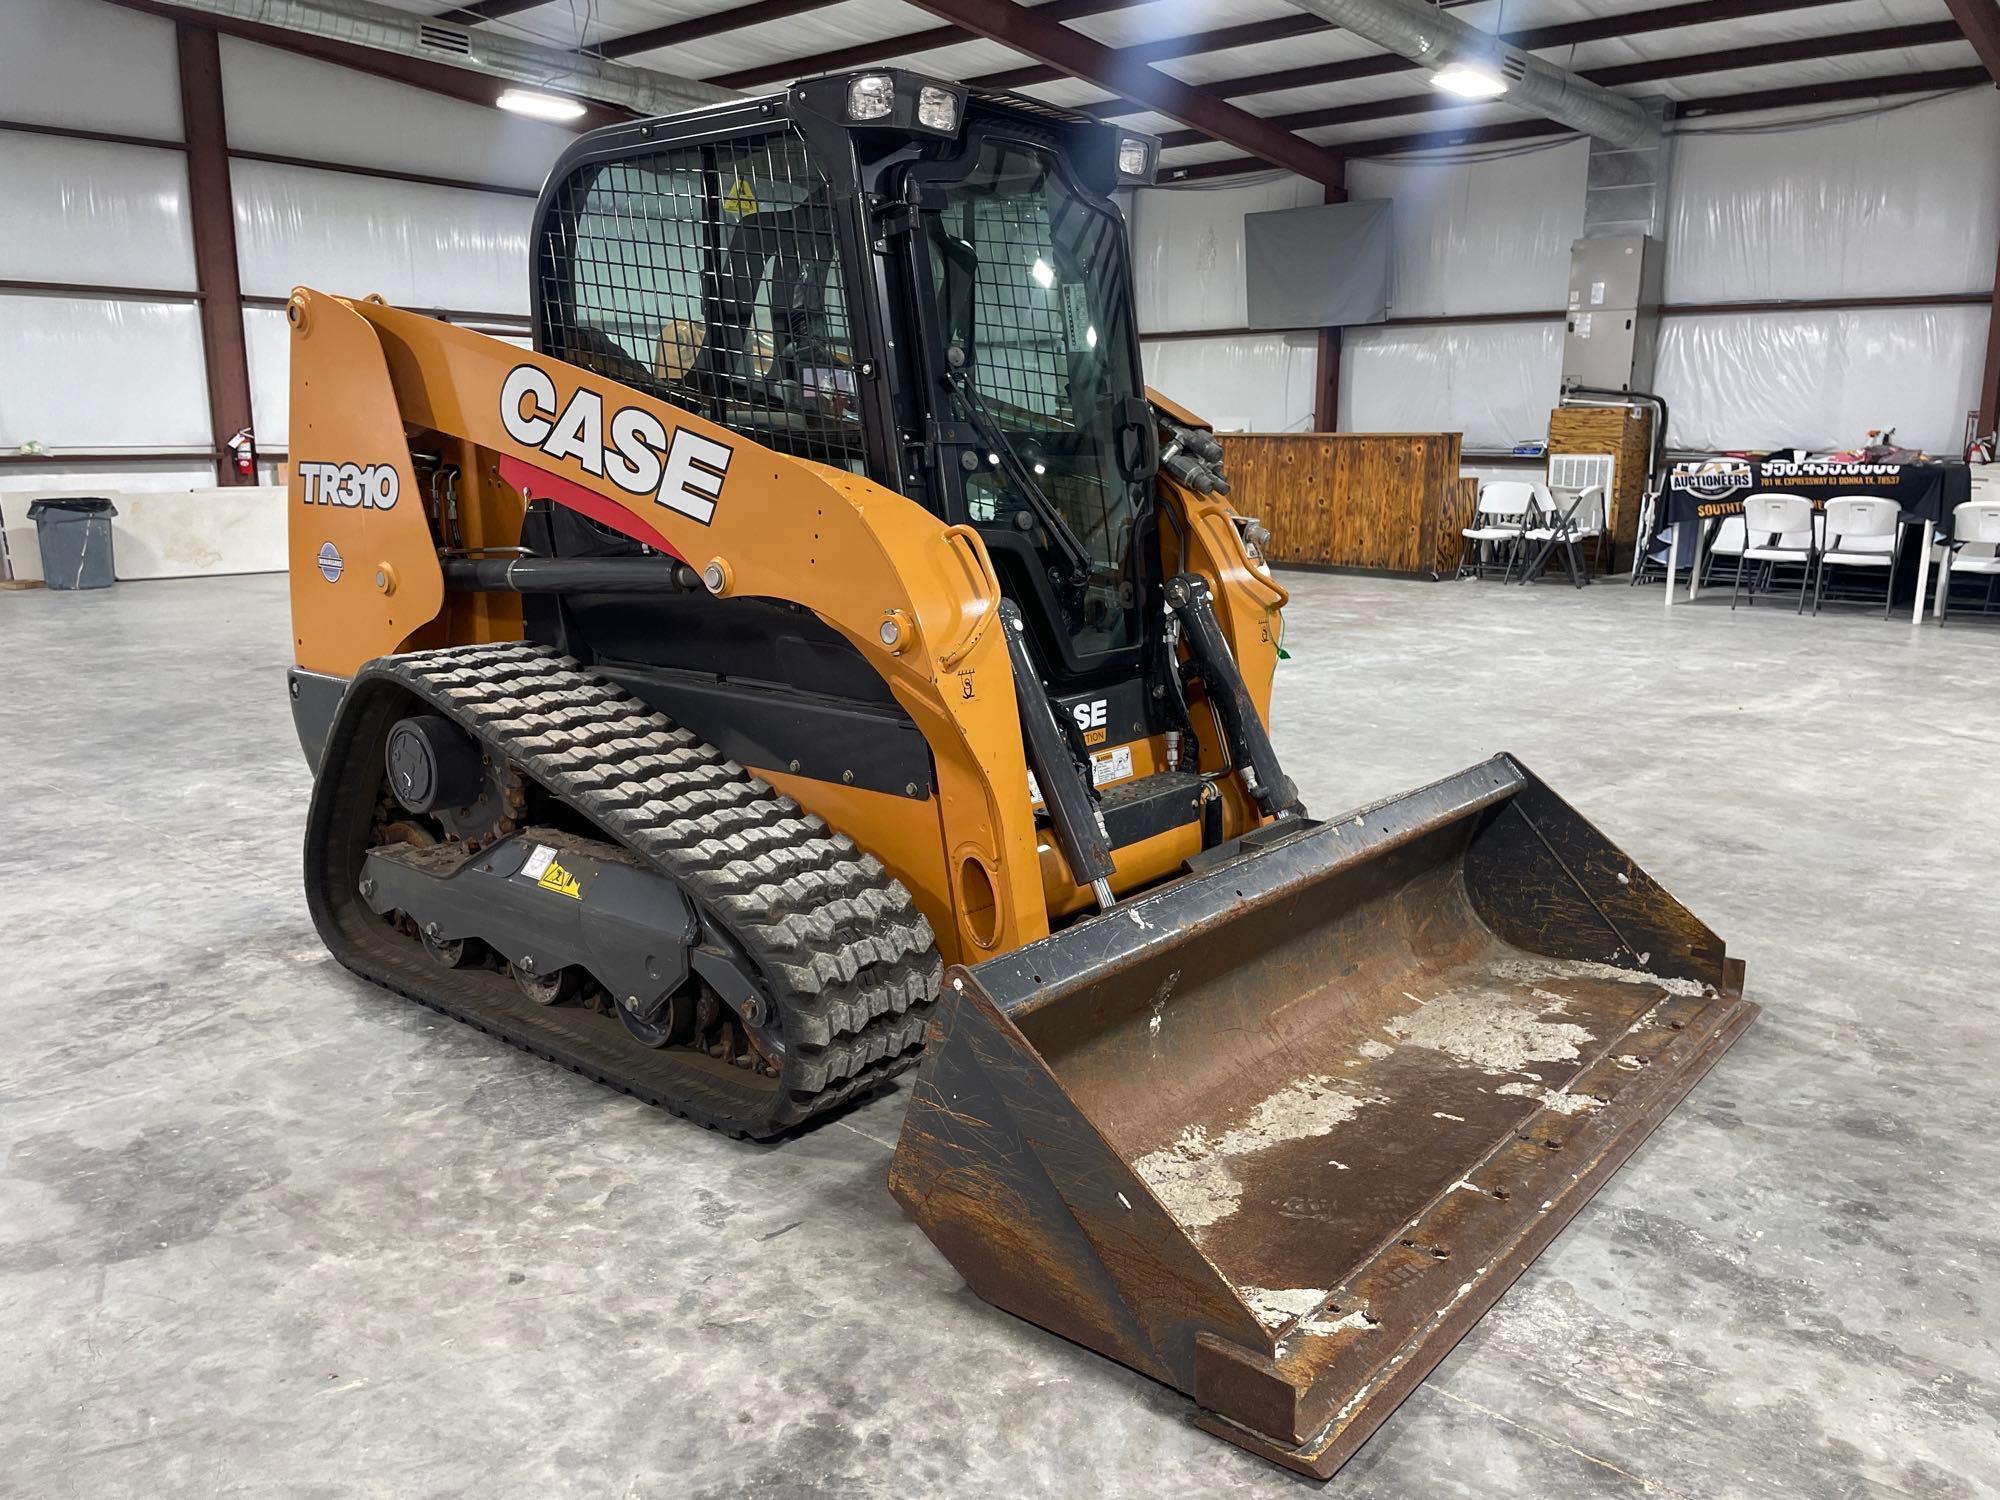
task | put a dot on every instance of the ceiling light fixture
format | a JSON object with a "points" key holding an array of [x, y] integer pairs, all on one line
{"points": [[1469, 81], [539, 106]]}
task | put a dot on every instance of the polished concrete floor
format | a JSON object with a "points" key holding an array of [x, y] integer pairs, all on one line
{"points": [[264, 1230]]}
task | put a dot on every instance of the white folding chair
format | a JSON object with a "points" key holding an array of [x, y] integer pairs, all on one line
{"points": [[1506, 506], [1974, 549], [1776, 529], [1861, 531], [1563, 525], [1729, 541], [1648, 537]]}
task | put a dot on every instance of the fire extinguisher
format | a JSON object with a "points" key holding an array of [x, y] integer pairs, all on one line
{"points": [[243, 456]]}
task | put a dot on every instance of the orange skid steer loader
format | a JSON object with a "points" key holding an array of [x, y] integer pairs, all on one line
{"points": [[819, 655]]}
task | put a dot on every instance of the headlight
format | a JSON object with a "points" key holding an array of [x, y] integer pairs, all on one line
{"points": [[937, 108], [1132, 157], [871, 96]]}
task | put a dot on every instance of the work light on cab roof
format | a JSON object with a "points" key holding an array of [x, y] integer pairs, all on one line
{"points": [[904, 101]]}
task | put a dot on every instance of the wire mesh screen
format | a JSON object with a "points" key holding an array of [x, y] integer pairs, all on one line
{"points": [[1024, 318], [1052, 355], [710, 276]]}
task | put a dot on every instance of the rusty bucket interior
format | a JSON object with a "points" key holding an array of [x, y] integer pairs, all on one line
{"points": [[1278, 1133]]}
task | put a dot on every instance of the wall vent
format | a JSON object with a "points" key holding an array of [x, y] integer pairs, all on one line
{"points": [[446, 39], [1573, 473]]}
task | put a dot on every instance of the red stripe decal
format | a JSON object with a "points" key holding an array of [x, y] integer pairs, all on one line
{"points": [[538, 483]]}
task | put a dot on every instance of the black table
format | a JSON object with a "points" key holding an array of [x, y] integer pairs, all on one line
{"points": [[1707, 491]]}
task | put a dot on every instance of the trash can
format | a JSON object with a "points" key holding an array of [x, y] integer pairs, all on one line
{"points": [[75, 537]]}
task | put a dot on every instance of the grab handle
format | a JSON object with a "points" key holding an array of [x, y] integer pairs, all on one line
{"points": [[968, 547]]}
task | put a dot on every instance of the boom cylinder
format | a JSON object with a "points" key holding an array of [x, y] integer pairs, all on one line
{"points": [[568, 575]]}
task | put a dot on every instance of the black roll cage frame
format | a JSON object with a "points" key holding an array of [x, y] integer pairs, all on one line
{"points": [[873, 175]]}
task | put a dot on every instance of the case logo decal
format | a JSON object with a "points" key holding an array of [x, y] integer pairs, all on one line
{"points": [[1090, 718], [372, 488], [682, 471]]}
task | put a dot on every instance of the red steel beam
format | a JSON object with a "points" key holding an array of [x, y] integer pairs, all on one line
{"points": [[860, 55], [1939, 81], [417, 72], [676, 33], [212, 215], [1989, 383], [1533, 39], [1979, 20], [1093, 62], [1326, 370], [1803, 49], [907, 45], [485, 10], [1248, 34]]}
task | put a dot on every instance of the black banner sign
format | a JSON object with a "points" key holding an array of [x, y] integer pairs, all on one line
{"points": [[1712, 488]]}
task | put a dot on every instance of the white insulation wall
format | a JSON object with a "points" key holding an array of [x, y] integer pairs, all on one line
{"points": [[1188, 263], [78, 371], [1900, 202], [1905, 201], [104, 374], [417, 244]]}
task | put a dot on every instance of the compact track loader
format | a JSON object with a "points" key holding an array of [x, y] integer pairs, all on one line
{"points": [[819, 653]]}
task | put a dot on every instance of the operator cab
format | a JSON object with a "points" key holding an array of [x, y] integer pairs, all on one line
{"points": [[898, 277]]}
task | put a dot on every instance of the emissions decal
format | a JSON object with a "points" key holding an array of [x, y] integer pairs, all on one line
{"points": [[1112, 765], [330, 563], [372, 488], [683, 472], [548, 872]]}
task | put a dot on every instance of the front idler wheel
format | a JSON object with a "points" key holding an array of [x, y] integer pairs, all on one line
{"points": [[673, 1025], [556, 987]]}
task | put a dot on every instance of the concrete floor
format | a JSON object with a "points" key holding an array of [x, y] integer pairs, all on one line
{"points": [[266, 1230]]}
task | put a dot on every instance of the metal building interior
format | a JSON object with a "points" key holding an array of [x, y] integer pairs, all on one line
{"points": [[1433, 948]]}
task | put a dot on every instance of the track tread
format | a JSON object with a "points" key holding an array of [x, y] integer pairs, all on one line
{"points": [[851, 964]]}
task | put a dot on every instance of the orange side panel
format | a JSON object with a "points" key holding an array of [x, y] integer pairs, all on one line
{"points": [[364, 569]]}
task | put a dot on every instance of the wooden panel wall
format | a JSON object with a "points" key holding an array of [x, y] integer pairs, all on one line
{"points": [[1390, 501], [1626, 433]]}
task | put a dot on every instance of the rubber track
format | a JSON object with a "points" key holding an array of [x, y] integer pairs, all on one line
{"points": [[849, 963]]}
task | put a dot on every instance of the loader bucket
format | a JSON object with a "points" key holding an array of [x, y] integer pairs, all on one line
{"points": [[1278, 1133]]}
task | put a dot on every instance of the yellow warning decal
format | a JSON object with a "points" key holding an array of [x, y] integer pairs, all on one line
{"points": [[556, 878], [739, 200], [542, 867]]}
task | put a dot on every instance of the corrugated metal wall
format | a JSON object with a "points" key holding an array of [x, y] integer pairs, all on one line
{"points": [[104, 375], [1899, 202]]}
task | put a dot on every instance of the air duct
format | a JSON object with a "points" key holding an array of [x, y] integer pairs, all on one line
{"points": [[1436, 39], [551, 69]]}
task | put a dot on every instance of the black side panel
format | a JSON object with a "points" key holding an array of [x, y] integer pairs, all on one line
{"points": [[770, 728], [315, 699], [768, 684], [752, 639]]}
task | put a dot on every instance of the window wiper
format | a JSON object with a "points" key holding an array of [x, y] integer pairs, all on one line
{"points": [[997, 443]]}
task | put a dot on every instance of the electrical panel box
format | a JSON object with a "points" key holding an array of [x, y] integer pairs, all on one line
{"points": [[1612, 324]]}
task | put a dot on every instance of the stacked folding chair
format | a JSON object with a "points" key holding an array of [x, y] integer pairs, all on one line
{"points": [[1507, 507], [1564, 522]]}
